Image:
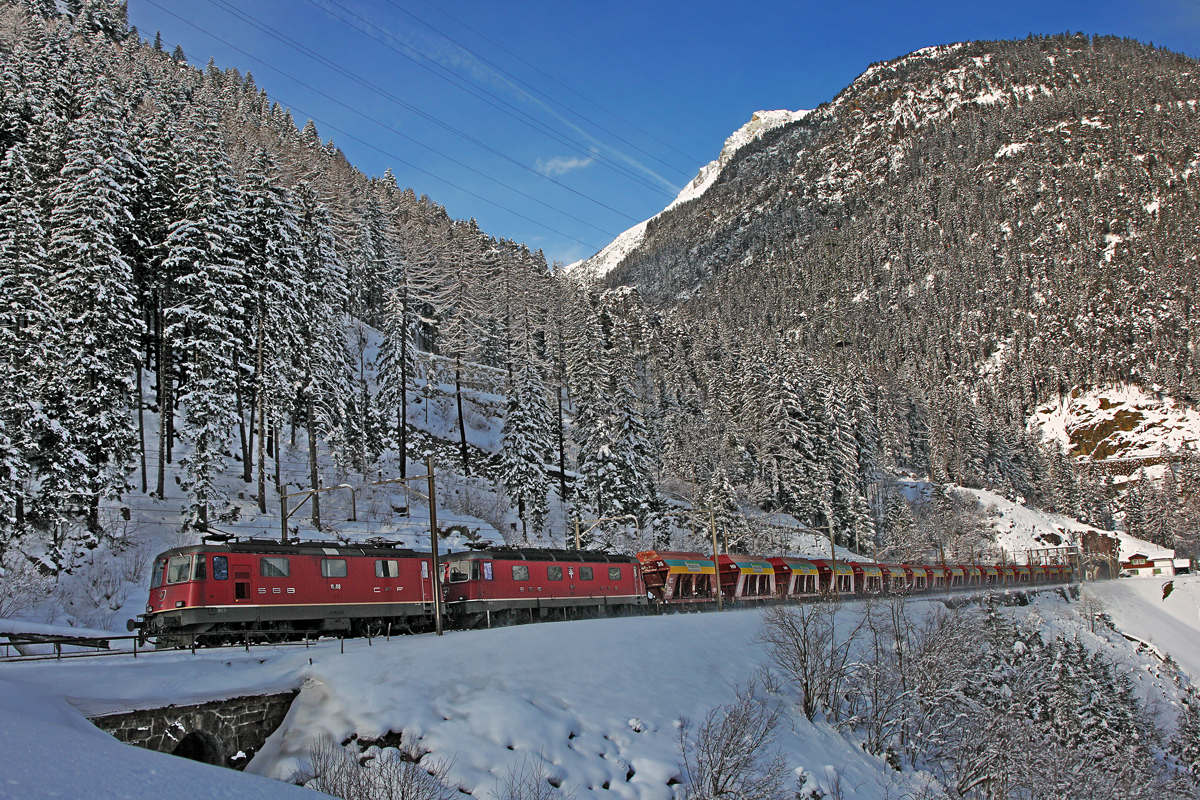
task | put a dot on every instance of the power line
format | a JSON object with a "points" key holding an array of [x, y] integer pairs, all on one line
{"points": [[531, 122], [497, 67], [508, 108], [551, 77], [376, 148]]}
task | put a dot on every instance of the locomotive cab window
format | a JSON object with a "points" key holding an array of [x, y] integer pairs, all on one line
{"points": [[520, 572], [585, 573], [387, 568], [554, 573], [273, 567], [179, 569], [200, 569], [220, 568], [333, 567], [614, 573], [460, 571], [156, 575]]}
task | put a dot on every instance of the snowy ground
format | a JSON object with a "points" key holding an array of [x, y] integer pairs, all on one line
{"points": [[595, 702], [1171, 625]]}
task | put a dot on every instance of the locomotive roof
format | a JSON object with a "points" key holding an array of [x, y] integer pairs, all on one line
{"points": [[538, 554], [275, 547]]}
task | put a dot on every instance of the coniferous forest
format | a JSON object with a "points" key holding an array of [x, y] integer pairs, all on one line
{"points": [[886, 288]]}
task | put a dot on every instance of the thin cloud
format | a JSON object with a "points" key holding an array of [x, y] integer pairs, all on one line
{"points": [[561, 165], [452, 56]]}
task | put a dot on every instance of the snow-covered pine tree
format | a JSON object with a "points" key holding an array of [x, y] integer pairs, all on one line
{"points": [[25, 320], [204, 255], [99, 328], [320, 398], [272, 276], [526, 449]]}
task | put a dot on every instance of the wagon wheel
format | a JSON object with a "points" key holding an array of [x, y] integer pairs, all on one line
{"points": [[281, 633]]}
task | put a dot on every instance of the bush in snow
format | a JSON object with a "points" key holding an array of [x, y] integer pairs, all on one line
{"points": [[391, 774], [812, 653], [732, 754], [22, 584], [532, 779]]}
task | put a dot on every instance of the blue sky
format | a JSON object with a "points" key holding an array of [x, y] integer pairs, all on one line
{"points": [[562, 123]]}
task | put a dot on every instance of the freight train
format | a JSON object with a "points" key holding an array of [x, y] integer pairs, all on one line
{"points": [[212, 594]]}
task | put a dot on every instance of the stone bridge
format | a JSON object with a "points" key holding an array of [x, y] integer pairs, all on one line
{"points": [[226, 733]]}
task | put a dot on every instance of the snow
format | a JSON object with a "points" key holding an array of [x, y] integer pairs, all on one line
{"points": [[607, 259], [1020, 529], [592, 702], [484, 702], [1011, 149], [1171, 625], [48, 750]]}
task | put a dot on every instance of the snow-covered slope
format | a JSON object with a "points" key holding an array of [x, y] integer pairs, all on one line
{"points": [[1020, 529], [607, 259], [1172, 624], [575, 699]]}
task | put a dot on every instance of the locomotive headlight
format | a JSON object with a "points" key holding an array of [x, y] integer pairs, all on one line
{"points": [[149, 609], [179, 604]]}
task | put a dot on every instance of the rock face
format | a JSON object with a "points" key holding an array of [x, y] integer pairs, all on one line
{"points": [[226, 733]]}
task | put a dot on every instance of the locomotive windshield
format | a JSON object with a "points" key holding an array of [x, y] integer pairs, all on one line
{"points": [[460, 571], [179, 569], [156, 575]]}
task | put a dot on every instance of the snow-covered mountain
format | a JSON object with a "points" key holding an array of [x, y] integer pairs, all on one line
{"points": [[607, 259]]}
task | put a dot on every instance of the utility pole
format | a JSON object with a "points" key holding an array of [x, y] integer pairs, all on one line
{"points": [[712, 523], [433, 542], [833, 578]]}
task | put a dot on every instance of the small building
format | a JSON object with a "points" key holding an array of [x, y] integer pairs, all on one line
{"points": [[1141, 564]]}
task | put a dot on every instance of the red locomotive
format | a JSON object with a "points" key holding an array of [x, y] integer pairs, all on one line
{"points": [[508, 584], [215, 592], [212, 593]]}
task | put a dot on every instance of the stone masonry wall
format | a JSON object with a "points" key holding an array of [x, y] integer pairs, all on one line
{"points": [[223, 732]]}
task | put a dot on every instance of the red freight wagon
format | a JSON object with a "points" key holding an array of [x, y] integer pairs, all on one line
{"points": [[219, 589], [527, 582], [845, 576], [895, 577], [917, 577], [794, 577], [678, 577], [868, 577], [746, 577]]}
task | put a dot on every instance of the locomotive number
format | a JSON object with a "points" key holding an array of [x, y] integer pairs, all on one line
{"points": [[335, 586]]}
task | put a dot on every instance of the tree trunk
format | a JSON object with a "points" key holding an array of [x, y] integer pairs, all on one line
{"points": [[462, 425], [141, 426], [404, 388], [260, 396], [241, 412], [275, 455], [164, 408], [562, 450], [314, 478]]}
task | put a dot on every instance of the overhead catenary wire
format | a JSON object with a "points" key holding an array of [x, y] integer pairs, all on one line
{"points": [[504, 107], [551, 77], [376, 148], [534, 89]]}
